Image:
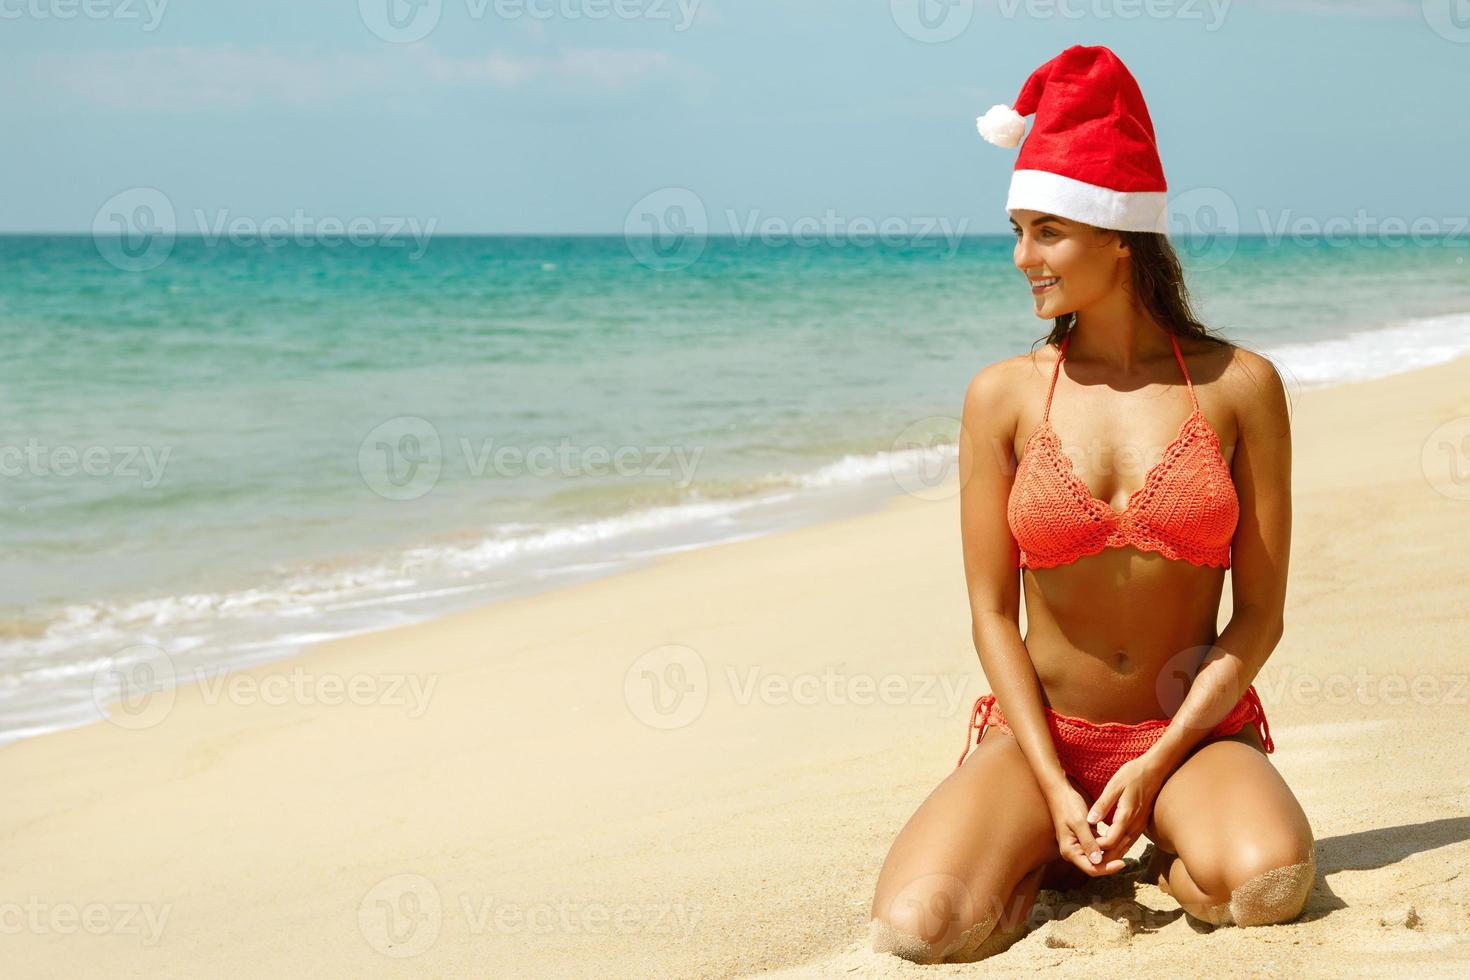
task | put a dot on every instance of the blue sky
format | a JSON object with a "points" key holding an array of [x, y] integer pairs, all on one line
{"points": [[559, 116]]}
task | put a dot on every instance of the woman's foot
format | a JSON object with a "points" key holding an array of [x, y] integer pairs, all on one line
{"points": [[1061, 875], [1154, 862]]}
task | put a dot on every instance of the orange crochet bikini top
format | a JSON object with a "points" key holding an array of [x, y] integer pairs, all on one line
{"points": [[1186, 509]]}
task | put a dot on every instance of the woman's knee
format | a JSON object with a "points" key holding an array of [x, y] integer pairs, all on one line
{"points": [[934, 918], [1265, 888], [939, 918], [988, 820]]}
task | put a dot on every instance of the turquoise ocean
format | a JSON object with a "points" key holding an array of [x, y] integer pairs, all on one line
{"points": [[251, 447]]}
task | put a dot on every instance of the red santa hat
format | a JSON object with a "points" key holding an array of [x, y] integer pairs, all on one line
{"points": [[1091, 154]]}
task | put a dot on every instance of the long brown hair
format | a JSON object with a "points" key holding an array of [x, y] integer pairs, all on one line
{"points": [[1158, 283]]}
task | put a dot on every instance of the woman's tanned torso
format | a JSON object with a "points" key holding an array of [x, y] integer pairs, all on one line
{"points": [[1115, 636]]}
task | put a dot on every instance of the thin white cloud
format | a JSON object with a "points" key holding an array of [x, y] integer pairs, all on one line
{"points": [[1347, 8], [596, 68], [190, 79]]}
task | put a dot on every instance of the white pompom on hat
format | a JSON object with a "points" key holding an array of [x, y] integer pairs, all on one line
{"points": [[1002, 126]]}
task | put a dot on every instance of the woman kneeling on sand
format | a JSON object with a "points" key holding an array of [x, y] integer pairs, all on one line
{"points": [[1123, 704]]}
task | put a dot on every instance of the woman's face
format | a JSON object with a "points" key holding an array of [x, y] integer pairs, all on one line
{"points": [[1083, 264]]}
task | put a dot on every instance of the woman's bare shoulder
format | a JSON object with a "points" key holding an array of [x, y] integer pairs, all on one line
{"points": [[999, 386], [998, 392], [1254, 387]]}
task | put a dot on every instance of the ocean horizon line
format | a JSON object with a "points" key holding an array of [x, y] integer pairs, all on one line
{"points": [[613, 236]]}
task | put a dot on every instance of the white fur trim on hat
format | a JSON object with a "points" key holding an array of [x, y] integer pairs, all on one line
{"points": [[1042, 190], [1002, 126]]}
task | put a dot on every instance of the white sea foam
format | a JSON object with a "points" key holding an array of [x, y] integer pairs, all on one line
{"points": [[1377, 353]]}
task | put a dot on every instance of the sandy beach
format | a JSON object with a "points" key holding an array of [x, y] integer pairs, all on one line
{"points": [[696, 768]]}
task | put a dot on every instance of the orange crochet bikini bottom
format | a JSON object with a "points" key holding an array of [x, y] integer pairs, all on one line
{"points": [[1091, 752]]}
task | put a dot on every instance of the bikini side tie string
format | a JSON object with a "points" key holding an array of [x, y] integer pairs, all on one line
{"points": [[979, 718], [1255, 699]]}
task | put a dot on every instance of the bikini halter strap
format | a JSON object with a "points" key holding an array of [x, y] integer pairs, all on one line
{"points": [[1180, 358], [1055, 368], [1062, 350]]}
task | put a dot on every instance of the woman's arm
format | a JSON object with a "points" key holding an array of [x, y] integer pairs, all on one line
{"points": [[1258, 559], [986, 462]]}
